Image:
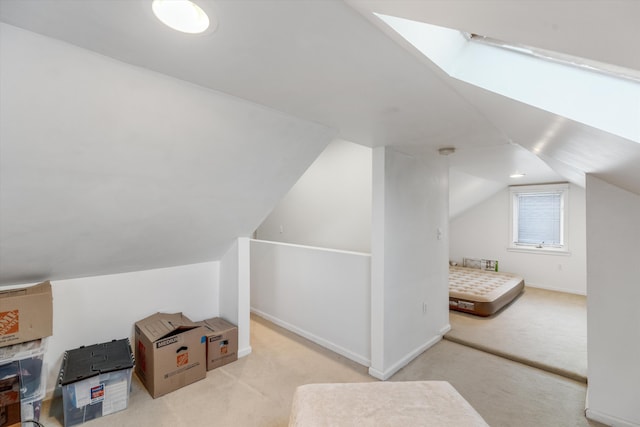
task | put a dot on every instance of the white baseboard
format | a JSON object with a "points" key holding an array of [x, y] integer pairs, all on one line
{"points": [[316, 339], [405, 360], [551, 288], [244, 352], [376, 374], [608, 419], [445, 329]]}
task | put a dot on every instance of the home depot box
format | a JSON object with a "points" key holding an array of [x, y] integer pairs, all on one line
{"points": [[170, 352], [26, 314], [222, 342]]}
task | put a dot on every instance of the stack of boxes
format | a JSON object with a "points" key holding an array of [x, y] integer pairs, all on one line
{"points": [[22, 367], [26, 319], [172, 351]]}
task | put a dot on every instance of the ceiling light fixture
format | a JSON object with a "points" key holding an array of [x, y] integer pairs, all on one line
{"points": [[517, 175], [181, 15]]}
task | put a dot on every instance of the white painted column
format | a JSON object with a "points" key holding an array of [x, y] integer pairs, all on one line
{"points": [[377, 263], [613, 293], [235, 270], [409, 263]]}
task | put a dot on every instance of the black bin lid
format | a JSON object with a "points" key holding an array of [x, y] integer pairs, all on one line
{"points": [[89, 361]]}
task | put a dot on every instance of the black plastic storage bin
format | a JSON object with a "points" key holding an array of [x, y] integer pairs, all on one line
{"points": [[96, 380]]}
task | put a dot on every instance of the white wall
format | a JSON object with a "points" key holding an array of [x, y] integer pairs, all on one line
{"points": [[234, 291], [321, 294], [483, 232], [466, 191], [409, 257], [330, 205], [613, 282], [97, 309]]}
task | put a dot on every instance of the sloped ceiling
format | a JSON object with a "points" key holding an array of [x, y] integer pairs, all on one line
{"points": [[568, 148], [108, 168], [318, 60], [120, 150]]}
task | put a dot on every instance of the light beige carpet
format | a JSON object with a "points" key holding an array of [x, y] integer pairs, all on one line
{"points": [[505, 393], [541, 328], [257, 390]]}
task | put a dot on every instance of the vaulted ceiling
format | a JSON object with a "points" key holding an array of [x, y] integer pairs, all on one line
{"points": [[160, 147]]}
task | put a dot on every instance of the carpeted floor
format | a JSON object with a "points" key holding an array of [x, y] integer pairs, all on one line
{"points": [[505, 393], [257, 390], [541, 328]]}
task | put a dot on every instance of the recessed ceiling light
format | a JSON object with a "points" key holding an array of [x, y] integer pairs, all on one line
{"points": [[517, 175], [181, 15]]}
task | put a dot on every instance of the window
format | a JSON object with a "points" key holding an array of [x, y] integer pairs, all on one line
{"points": [[539, 217]]}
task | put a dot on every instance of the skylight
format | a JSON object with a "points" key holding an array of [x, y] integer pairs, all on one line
{"points": [[578, 90]]}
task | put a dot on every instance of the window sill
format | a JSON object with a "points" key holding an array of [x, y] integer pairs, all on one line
{"points": [[539, 251]]}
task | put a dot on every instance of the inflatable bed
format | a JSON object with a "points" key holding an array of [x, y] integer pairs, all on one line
{"points": [[481, 292]]}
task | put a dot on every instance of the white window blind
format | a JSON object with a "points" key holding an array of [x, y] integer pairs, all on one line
{"points": [[538, 215], [539, 219]]}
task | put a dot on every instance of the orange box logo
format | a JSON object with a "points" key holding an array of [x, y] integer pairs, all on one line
{"points": [[9, 322], [182, 359]]}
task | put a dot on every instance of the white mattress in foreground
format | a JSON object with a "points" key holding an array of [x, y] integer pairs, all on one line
{"points": [[389, 404]]}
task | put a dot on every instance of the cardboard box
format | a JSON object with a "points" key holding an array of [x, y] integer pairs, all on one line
{"points": [[222, 342], [170, 352], [26, 314], [10, 415]]}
